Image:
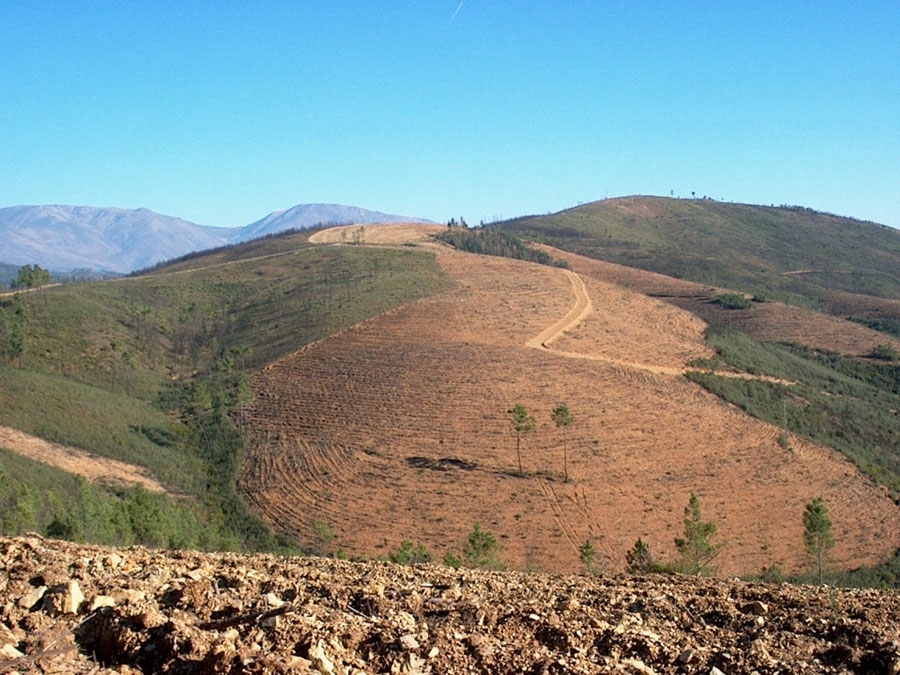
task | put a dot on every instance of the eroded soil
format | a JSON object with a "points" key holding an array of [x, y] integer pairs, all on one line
{"points": [[75, 609], [398, 429]]}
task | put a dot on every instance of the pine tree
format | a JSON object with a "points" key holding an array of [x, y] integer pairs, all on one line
{"points": [[522, 423], [696, 549], [588, 555], [817, 534], [639, 559], [562, 418], [482, 550]]}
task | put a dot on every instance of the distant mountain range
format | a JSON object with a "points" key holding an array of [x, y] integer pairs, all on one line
{"points": [[64, 239]]}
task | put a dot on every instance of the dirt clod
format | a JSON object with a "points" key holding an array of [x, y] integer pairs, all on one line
{"points": [[263, 614]]}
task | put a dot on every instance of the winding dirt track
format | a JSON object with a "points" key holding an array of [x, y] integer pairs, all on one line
{"points": [[579, 311], [397, 428]]}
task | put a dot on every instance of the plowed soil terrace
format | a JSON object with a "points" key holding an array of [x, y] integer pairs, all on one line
{"points": [[398, 429]]}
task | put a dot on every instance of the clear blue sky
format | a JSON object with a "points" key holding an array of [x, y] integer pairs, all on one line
{"points": [[221, 112]]}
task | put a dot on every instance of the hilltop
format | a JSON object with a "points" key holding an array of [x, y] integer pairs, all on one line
{"points": [[786, 253]]}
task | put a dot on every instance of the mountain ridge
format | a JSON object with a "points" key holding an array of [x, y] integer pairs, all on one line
{"points": [[113, 240]]}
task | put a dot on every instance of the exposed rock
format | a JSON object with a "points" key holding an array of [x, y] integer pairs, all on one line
{"points": [[188, 612], [64, 599], [99, 601], [9, 652], [32, 597], [409, 643]]}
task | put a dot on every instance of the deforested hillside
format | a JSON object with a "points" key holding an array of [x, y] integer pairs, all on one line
{"points": [[353, 392], [400, 429]]}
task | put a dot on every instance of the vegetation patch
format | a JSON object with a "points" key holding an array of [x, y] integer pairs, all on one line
{"points": [[493, 241], [35, 497], [732, 301], [847, 403]]}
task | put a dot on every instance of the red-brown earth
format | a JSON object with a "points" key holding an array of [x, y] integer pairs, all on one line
{"points": [[76, 609], [398, 427]]}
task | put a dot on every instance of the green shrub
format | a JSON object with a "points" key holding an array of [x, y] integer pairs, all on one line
{"points": [[482, 549], [639, 560], [409, 554], [885, 352], [732, 301]]}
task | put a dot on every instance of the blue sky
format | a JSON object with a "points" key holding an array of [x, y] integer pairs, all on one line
{"points": [[221, 112]]}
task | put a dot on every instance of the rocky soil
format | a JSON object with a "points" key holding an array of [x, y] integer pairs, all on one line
{"points": [[67, 608]]}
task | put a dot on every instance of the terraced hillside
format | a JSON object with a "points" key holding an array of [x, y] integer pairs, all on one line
{"points": [[398, 429], [768, 321]]}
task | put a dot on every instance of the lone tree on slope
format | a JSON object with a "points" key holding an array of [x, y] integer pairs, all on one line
{"points": [[696, 549], [817, 534], [562, 418], [522, 423]]}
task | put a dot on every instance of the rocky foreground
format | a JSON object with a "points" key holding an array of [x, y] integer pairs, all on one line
{"points": [[67, 608]]}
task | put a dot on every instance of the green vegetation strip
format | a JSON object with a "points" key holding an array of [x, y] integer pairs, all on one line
{"points": [[849, 404], [148, 370]]}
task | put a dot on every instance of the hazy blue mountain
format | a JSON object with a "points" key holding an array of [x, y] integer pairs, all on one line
{"points": [[114, 240], [8, 274], [304, 216], [63, 238]]}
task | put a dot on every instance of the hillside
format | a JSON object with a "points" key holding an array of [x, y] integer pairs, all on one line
{"points": [[352, 386], [186, 612], [144, 370], [398, 429], [791, 254]]}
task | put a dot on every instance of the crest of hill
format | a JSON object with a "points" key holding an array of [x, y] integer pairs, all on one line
{"points": [[305, 216], [787, 253], [118, 241]]}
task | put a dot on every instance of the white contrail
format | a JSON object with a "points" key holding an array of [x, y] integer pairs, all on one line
{"points": [[458, 7]]}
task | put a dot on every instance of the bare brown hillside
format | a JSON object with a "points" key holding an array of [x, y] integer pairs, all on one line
{"points": [[398, 429], [770, 321], [91, 466]]}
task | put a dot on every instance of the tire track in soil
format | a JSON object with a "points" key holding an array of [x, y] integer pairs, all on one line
{"points": [[559, 514], [580, 309]]}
